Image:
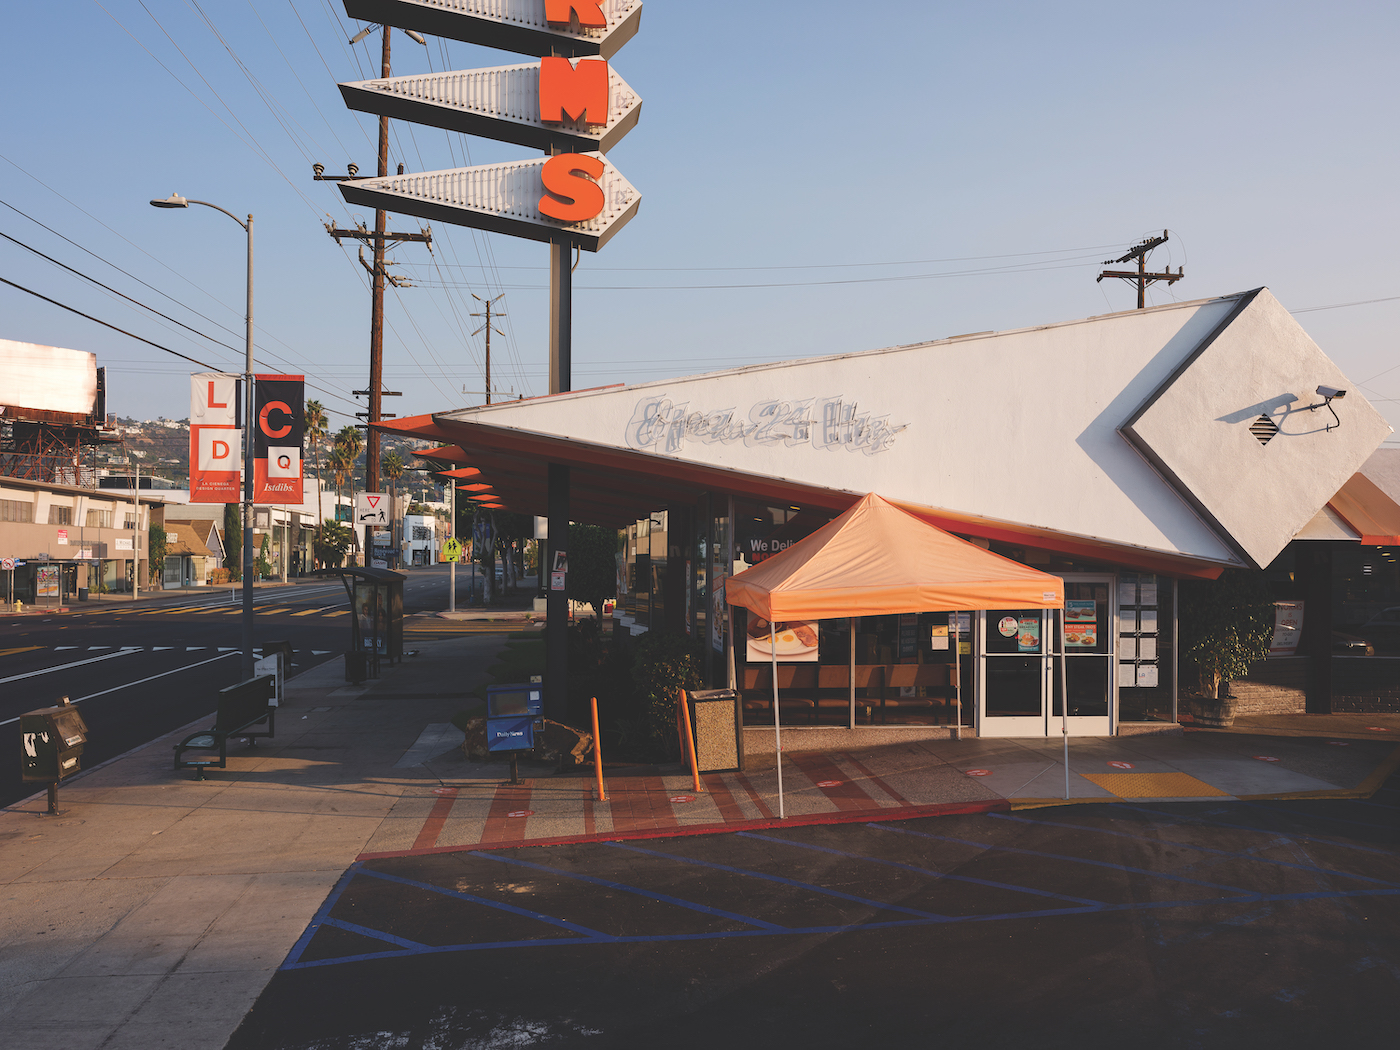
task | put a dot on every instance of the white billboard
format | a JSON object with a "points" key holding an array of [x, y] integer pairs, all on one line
{"points": [[47, 378]]}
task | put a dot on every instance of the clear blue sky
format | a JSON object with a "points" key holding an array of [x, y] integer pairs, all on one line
{"points": [[817, 178]]}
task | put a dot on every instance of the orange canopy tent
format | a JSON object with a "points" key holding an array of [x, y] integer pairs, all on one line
{"points": [[877, 559]]}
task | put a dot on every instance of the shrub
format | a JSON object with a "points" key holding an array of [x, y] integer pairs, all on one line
{"points": [[664, 663]]}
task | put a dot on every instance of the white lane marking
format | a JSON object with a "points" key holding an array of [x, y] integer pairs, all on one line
{"points": [[229, 649], [95, 648], [60, 648], [194, 648], [161, 648], [64, 667], [140, 681]]}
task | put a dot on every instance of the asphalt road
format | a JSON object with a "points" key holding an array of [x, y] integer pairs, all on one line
{"points": [[1206, 925], [141, 670]]}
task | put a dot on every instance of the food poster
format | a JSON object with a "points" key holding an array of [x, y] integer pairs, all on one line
{"points": [[369, 600], [795, 641], [1081, 624], [1028, 634]]}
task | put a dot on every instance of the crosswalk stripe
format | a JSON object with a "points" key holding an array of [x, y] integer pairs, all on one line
{"points": [[340, 612], [269, 612], [308, 612]]}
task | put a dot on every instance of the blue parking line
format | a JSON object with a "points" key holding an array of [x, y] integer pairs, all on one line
{"points": [[1266, 831], [294, 956], [1245, 895], [830, 930], [1245, 854], [365, 931], [593, 880], [497, 905], [882, 905], [921, 871]]}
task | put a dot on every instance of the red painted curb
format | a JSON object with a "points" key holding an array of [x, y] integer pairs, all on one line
{"points": [[939, 809]]}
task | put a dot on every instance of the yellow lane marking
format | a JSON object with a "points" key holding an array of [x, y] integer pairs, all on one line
{"points": [[308, 612], [21, 649], [269, 612], [341, 612], [1154, 785]]}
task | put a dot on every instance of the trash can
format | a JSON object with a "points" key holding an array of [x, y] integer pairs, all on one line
{"points": [[82, 594], [717, 721], [51, 742], [355, 667]]}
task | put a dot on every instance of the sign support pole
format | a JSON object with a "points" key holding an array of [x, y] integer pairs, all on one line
{"points": [[556, 678]]}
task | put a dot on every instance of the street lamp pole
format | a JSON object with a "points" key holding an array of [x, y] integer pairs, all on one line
{"points": [[175, 201]]}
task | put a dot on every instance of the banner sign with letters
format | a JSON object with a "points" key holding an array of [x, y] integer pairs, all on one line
{"points": [[279, 423], [216, 447]]}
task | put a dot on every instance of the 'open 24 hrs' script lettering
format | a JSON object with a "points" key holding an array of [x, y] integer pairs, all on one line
{"points": [[660, 425]]}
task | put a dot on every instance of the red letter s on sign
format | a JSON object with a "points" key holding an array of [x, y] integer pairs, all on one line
{"points": [[559, 178]]}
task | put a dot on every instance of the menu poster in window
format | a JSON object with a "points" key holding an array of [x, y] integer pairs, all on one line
{"points": [[1028, 635], [938, 638], [794, 641], [1081, 624], [1147, 594], [1147, 620], [960, 623], [1146, 676], [1127, 675], [1147, 648], [1127, 593]]}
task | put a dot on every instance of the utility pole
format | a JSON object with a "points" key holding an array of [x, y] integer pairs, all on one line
{"points": [[487, 329], [380, 241], [1141, 277]]}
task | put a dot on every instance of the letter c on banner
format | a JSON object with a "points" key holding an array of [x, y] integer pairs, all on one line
{"points": [[285, 409], [559, 178]]}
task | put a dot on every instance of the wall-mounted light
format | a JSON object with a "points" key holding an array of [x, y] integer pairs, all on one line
{"points": [[1328, 395]]}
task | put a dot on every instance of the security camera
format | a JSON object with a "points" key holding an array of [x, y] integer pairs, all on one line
{"points": [[1331, 392]]}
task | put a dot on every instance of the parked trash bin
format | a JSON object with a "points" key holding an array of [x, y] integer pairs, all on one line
{"points": [[51, 742], [718, 724], [355, 667], [82, 594]]}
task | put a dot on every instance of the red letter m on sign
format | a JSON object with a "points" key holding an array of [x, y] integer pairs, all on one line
{"points": [[579, 92]]}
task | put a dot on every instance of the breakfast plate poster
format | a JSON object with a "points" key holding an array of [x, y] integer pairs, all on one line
{"points": [[796, 641]]}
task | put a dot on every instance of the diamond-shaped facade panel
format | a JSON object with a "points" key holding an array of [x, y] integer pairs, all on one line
{"points": [[1200, 428]]}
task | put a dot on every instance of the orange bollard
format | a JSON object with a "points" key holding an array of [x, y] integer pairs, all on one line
{"points": [[690, 743], [598, 754]]}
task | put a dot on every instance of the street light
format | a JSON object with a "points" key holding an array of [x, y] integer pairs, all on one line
{"points": [[176, 201]]}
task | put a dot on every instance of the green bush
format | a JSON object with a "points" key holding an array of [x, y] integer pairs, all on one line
{"points": [[664, 663]]}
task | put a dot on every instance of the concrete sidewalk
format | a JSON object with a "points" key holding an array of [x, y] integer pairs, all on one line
{"points": [[156, 908]]}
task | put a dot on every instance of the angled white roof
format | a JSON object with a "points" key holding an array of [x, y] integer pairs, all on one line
{"points": [[1054, 428]]}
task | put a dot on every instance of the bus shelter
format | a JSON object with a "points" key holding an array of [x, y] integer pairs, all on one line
{"points": [[376, 617]]}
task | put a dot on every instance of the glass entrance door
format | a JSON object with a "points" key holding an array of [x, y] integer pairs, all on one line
{"points": [[1020, 691]]}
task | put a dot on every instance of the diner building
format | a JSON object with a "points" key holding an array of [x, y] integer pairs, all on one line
{"points": [[1122, 453]]}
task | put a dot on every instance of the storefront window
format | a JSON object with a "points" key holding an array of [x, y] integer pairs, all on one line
{"points": [[1146, 647]]}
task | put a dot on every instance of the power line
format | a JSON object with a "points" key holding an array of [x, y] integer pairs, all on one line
{"points": [[123, 331]]}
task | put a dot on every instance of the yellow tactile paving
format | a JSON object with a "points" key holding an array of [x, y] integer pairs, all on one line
{"points": [[1154, 785]]}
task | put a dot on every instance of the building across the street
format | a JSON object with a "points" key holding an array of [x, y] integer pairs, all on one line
{"points": [[1123, 453]]}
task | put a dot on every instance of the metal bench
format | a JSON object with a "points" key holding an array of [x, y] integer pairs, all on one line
{"points": [[241, 707]]}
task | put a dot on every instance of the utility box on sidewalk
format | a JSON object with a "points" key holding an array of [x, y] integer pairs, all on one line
{"points": [[276, 660], [51, 743], [717, 721], [511, 713]]}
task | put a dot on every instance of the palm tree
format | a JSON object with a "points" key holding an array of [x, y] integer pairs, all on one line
{"points": [[341, 466], [317, 426], [391, 466], [352, 441]]}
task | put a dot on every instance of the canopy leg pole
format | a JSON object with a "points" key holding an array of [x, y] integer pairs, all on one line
{"points": [[777, 728], [1064, 700], [853, 672], [957, 673]]}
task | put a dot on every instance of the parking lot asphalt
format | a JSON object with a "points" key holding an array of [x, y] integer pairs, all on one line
{"points": [[1226, 924], [157, 910]]}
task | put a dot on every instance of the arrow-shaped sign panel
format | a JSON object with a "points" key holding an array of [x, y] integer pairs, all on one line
{"points": [[505, 198], [501, 103], [522, 26]]}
